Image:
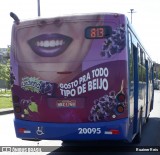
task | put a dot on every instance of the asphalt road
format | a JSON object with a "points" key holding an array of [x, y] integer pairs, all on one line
{"points": [[150, 138]]}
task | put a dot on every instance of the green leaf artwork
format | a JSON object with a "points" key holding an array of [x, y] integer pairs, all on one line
{"points": [[26, 112], [33, 107]]}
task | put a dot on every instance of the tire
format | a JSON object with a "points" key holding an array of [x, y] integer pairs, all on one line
{"points": [[147, 119], [138, 137]]}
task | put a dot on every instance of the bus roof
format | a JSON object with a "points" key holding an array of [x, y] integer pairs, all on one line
{"points": [[67, 18]]}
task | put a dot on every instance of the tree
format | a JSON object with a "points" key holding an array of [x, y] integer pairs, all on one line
{"points": [[5, 73], [5, 70]]}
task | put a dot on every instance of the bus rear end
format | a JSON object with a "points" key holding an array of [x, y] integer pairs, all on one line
{"points": [[69, 78]]}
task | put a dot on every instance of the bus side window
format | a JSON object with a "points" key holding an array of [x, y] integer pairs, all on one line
{"points": [[143, 69], [131, 74], [131, 64], [141, 57], [139, 64], [150, 71]]}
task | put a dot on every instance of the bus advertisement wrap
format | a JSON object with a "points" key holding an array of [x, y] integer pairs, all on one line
{"points": [[76, 70]]}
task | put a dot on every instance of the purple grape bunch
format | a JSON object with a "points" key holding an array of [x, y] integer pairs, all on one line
{"points": [[46, 87], [103, 107], [29, 108], [115, 43], [24, 107]]}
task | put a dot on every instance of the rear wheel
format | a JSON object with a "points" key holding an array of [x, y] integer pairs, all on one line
{"points": [[138, 137], [147, 119]]}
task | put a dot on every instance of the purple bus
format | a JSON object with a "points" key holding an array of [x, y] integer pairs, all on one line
{"points": [[77, 78]]}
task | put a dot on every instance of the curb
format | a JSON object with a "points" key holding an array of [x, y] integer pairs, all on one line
{"points": [[6, 111]]}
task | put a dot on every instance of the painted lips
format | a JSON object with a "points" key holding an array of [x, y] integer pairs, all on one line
{"points": [[49, 45]]}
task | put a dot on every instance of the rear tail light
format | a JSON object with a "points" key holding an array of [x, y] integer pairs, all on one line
{"points": [[17, 109], [115, 132], [112, 132], [23, 130], [120, 108], [120, 97]]}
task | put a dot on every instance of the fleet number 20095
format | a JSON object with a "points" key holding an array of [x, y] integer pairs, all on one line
{"points": [[89, 130]]}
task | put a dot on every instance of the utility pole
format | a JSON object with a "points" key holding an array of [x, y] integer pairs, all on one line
{"points": [[39, 12], [131, 12]]}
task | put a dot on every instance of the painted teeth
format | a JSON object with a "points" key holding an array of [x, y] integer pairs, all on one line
{"points": [[50, 43]]}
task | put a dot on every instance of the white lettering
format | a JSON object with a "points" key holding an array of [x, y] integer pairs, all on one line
{"points": [[98, 84], [89, 130], [99, 72], [84, 78], [81, 89]]}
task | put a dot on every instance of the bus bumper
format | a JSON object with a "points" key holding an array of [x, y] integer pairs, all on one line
{"points": [[115, 130]]}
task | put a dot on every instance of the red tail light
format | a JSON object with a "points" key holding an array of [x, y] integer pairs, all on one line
{"points": [[21, 130], [112, 132], [17, 109], [120, 97], [115, 132]]}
